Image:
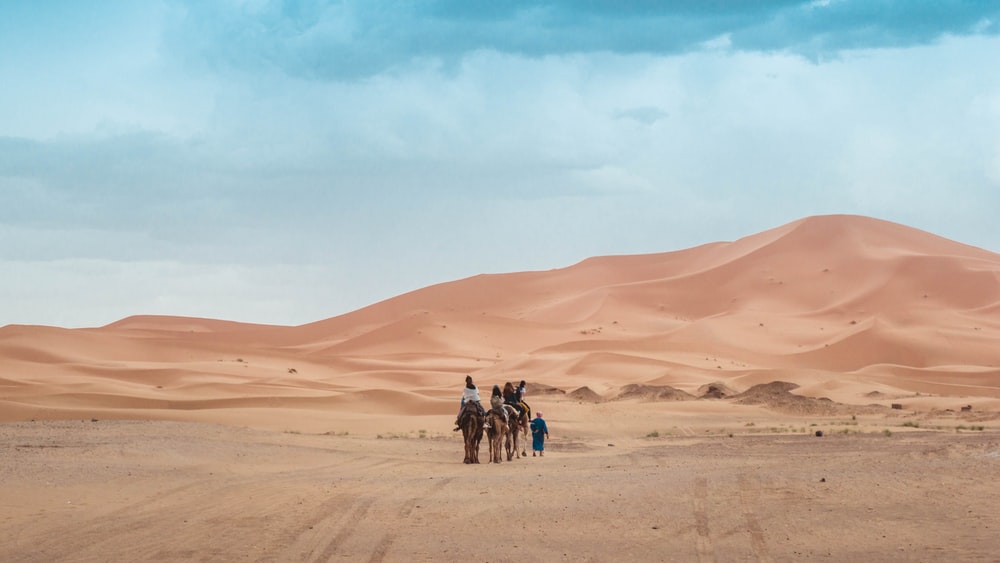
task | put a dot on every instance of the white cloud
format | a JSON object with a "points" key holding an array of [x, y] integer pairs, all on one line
{"points": [[173, 181]]}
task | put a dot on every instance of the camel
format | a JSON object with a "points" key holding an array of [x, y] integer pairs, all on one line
{"points": [[498, 431], [518, 433], [471, 422]]}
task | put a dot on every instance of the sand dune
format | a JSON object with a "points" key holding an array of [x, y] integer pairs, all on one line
{"points": [[848, 299], [685, 391]]}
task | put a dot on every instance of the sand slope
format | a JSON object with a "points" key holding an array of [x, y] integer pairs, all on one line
{"points": [[684, 392], [840, 305]]}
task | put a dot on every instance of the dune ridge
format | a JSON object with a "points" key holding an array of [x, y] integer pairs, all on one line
{"points": [[861, 302]]}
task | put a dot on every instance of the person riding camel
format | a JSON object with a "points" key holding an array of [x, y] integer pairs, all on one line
{"points": [[496, 402], [469, 394], [511, 398], [520, 390]]}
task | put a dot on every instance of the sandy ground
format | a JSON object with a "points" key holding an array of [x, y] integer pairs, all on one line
{"points": [[657, 484], [683, 391]]}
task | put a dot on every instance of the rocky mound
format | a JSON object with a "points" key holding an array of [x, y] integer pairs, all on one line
{"points": [[652, 393], [778, 396], [715, 391], [543, 389], [585, 394]]}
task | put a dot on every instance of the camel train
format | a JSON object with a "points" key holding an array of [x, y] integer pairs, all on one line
{"points": [[505, 427]]}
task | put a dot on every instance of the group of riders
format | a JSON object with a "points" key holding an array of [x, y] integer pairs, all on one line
{"points": [[510, 395]]}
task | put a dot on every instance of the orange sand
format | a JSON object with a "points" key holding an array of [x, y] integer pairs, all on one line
{"points": [[859, 314]]}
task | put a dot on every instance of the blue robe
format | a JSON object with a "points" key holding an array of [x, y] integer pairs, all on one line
{"points": [[538, 432]]}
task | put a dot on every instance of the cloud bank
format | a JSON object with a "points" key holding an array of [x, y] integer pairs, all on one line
{"points": [[288, 161]]}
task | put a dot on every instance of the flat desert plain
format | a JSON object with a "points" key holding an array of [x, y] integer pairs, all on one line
{"points": [[684, 394]]}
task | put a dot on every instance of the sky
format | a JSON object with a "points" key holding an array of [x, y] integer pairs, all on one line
{"points": [[284, 162]]}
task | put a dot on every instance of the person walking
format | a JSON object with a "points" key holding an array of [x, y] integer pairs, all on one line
{"points": [[539, 432]]}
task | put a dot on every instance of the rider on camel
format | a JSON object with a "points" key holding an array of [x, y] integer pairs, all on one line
{"points": [[511, 397], [469, 393], [496, 402], [519, 391]]}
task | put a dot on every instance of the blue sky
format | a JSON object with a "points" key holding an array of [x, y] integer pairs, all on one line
{"points": [[284, 162]]}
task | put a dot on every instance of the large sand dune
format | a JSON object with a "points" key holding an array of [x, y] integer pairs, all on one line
{"points": [[683, 390], [841, 305]]}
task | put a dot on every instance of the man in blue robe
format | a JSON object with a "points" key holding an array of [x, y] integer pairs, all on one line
{"points": [[539, 432]]}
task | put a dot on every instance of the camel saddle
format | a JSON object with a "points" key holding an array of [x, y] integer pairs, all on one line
{"points": [[469, 408]]}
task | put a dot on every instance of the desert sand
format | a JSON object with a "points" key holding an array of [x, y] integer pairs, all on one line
{"points": [[684, 392]]}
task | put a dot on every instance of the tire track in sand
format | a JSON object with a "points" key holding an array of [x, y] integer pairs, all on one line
{"points": [[345, 527], [749, 497], [134, 519], [338, 519], [703, 540], [404, 512]]}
